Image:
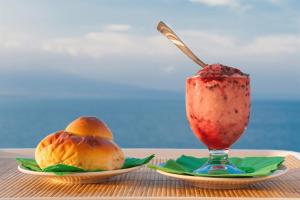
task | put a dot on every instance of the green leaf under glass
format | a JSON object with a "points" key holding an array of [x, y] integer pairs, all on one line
{"points": [[61, 169], [252, 166]]}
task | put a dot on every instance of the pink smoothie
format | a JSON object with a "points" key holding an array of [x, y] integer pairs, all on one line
{"points": [[218, 105]]}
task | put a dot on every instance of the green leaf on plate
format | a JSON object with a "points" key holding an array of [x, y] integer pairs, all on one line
{"points": [[252, 166], [133, 162], [62, 169], [29, 163]]}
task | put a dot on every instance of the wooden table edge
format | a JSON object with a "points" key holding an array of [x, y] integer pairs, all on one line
{"points": [[146, 198], [163, 152]]}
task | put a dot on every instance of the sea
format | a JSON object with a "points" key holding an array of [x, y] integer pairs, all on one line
{"points": [[143, 123]]}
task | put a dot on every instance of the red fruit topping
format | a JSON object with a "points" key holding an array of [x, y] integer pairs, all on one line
{"points": [[218, 70]]}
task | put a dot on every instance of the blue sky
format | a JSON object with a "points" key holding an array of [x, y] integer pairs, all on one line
{"points": [[117, 41]]}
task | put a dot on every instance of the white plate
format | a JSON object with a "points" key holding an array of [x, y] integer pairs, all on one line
{"points": [[80, 177], [225, 183]]}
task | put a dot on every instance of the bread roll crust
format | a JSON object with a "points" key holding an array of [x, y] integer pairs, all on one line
{"points": [[86, 152], [89, 126]]}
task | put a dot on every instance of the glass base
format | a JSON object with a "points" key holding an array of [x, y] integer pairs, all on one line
{"points": [[218, 163]]}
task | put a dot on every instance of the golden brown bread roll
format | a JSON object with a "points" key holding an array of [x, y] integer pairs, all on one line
{"points": [[89, 126], [86, 150]]}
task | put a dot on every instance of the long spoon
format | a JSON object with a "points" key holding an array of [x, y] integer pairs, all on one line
{"points": [[170, 34]]}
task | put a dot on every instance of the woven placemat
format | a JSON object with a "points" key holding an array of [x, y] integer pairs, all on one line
{"points": [[142, 183]]}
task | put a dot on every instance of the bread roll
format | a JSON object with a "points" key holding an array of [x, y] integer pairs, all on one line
{"points": [[86, 143], [89, 126], [86, 152]]}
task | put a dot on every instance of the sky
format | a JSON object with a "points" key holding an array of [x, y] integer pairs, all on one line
{"points": [[116, 42]]}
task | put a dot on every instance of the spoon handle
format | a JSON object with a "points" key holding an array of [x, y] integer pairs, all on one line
{"points": [[169, 33]]}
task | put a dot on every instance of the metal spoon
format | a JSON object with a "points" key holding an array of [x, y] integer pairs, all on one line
{"points": [[170, 34]]}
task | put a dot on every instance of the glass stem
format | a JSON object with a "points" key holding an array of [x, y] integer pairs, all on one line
{"points": [[217, 157], [218, 163]]}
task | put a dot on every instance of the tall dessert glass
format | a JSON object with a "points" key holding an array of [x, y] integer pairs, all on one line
{"points": [[218, 109]]}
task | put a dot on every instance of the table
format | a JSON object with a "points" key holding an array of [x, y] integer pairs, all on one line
{"points": [[144, 183]]}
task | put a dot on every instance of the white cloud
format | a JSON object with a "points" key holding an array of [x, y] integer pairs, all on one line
{"points": [[156, 53], [169, 69], [13, 40], [117, 27], [151, 60], [94, 44], [105, 43], [211, 47], [217, 2], [234, 4], [272, 45], [276, 2], [240, 5]]}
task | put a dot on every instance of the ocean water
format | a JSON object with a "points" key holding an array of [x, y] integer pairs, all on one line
{"points": [[144, 123]]}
